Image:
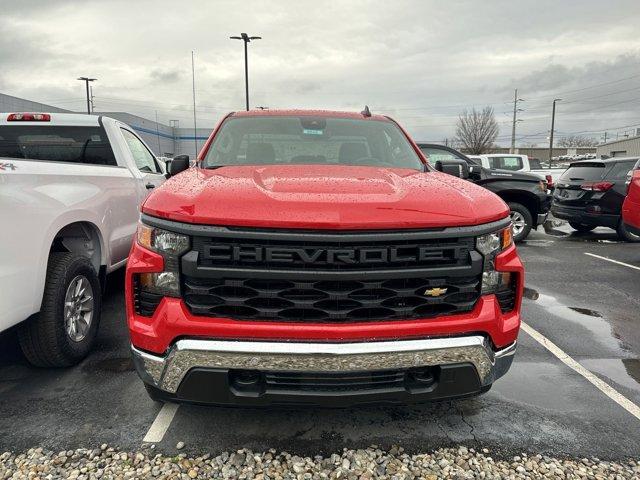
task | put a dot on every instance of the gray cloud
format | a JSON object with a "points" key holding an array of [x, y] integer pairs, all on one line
{"points": [[168, 75], [421, 61]]}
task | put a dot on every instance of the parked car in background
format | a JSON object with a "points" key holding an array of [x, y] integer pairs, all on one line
{"points": [[520, 163], [631, 205], [316, 257], [524, 193], [71, 190], [590, 194]]}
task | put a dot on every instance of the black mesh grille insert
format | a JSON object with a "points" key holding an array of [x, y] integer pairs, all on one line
{"points": [[334, 301], [335, 382], [507, 298], [144, 303]]}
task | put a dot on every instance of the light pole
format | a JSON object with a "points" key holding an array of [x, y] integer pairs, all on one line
{"points": [[246, 39], [553, 120], [86, 80]]}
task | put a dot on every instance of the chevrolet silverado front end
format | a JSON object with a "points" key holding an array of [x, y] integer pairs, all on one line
{"points": [[315, 257]]}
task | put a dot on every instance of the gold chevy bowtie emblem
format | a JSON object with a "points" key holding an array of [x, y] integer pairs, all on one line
{"points": [[435, 292]]}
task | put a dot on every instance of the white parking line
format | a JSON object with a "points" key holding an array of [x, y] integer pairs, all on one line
{"points": [[604, 387], [161, 424], [612, 261]]}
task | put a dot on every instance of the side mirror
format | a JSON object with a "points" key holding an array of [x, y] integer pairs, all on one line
{"points": [[178, 164], [457, 168], [166, 165], [475, 171]]}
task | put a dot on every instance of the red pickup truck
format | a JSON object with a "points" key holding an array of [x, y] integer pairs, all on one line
{"points": [[316, 257]]}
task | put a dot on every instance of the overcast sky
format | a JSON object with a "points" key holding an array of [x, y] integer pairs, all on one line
{"points": [[422, 62]]}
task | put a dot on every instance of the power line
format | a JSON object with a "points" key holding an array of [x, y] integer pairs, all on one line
{"points": [[590, 87]]}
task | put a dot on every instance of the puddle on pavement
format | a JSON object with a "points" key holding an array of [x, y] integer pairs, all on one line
{"points": [[592, 320], [623, 371], [538, 243], [586, 311]]}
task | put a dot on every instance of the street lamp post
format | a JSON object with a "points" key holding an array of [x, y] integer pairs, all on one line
{"points": [[86, 80], [246, 39], [553, 120]]}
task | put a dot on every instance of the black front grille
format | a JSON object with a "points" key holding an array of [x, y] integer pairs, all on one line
{"points": [[333, 277], [330, 301]]}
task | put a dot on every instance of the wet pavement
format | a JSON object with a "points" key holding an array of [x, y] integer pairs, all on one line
{"points": [[588, 307]]}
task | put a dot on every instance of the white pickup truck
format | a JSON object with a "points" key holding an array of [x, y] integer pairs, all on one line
{"points": [[518, 163], [70, 190]]}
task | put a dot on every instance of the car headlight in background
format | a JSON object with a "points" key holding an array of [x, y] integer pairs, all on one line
{"points": [[171, 246], [490, 245]]}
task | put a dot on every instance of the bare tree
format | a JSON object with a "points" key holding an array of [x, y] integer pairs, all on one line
{"points": [[577, 141], [477, 130]]}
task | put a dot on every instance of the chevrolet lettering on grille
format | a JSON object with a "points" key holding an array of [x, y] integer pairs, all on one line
{"points": [[329, 256]]}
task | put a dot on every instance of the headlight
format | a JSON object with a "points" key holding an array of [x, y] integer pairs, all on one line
{"points": [[490, 245], [171, 246], [493, 243], [162, 241]]}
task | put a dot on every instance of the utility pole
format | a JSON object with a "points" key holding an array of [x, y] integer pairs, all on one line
{"points": [[93, 105], [86, 81], [553, 119], [515, 120], [193, 85], [174, 124], [246, 39], [605, 137], [158, 135]]}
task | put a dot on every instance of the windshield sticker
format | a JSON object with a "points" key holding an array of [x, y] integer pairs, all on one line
{"points": [[308, 131]]}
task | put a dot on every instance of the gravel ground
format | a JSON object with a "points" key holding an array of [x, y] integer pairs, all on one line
{"points": [[461, 463]]}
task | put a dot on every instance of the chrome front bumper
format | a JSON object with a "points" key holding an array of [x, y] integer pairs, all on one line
{"points": [[167, 372]]}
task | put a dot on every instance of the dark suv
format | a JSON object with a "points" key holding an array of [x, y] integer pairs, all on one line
{"points": [[590, 194]]}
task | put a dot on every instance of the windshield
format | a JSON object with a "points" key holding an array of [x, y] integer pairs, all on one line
{"points": [[303, 140], [584, 171], [56, 144]]}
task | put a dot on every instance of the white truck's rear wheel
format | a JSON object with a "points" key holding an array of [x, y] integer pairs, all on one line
{"points": [[64, 331]]}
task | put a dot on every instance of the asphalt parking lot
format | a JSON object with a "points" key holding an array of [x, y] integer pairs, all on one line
{"points": [[577, 298]]}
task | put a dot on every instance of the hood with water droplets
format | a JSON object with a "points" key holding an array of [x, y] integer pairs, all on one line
{"points": [[332, 197]]}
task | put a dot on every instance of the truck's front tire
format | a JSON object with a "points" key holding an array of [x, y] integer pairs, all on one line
{"points": [[522, 221], [64, 331]]}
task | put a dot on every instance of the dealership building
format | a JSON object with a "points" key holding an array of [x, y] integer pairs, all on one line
{"points": [[163, 140], [627, 147]]}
